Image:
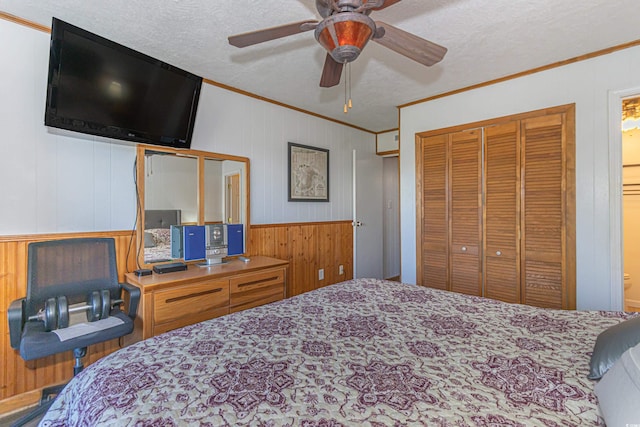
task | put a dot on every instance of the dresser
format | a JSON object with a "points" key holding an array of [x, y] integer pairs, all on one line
{"points": [[173, 300]]}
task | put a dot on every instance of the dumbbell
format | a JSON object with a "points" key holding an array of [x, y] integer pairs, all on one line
{"points": [[55, 314]]}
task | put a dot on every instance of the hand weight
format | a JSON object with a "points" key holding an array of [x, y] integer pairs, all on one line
{"points": [[55, 314]]}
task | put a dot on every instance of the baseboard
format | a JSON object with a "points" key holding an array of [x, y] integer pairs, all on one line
{"points": [[21, 401]]}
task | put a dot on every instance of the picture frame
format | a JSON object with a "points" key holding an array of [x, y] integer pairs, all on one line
{"points": [[308, 172]]}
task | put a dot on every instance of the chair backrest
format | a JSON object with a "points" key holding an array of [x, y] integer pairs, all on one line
{"points": [[70, 267]]}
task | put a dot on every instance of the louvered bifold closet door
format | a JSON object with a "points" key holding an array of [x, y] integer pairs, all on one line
{"points": [[543, 211], [502, 212], [465, 216], [434, 221]]}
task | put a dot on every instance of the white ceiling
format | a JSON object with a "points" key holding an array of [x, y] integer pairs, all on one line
{"points": [[487, 39]]}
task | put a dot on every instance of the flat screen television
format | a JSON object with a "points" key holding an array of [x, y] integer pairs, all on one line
{"points": [[99, 87]]}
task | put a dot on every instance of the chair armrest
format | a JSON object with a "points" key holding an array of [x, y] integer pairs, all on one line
{"points": [[134, 298], [16, 316]]}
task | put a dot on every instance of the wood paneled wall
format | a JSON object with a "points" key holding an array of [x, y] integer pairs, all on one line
{"points": [[308, 247], [16, 375]]}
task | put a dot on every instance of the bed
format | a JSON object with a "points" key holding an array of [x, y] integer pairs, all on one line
{"points": [[157, 233], [362, 352]]}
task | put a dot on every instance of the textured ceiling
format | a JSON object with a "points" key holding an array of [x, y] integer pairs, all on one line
{"points": [[487, 39]]}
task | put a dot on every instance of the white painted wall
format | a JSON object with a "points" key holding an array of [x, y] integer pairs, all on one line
{"points": [[587, 84], [56, 181], [387, 141], [53, 182]]}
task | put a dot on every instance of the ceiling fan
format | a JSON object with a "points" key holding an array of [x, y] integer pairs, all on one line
{"points": [[344, 31]]}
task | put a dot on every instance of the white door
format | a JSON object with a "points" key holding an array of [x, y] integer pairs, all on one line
{"points": [[367, 215]]}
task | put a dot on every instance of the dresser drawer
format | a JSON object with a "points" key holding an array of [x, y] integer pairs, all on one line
{"points": [[161, 328], [195, 301], [261, 287]]}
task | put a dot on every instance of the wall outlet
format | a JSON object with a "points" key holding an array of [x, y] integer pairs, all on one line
{"points": [[341, 269], [321, 274]]}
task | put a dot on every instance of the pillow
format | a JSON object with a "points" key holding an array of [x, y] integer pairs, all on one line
{"points": [[610, 345], [149, 241], [619, 390]]}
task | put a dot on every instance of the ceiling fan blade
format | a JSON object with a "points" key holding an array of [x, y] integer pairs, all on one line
{"points": [[410, 45], [386, 4], [259, 36], [331, 72]]}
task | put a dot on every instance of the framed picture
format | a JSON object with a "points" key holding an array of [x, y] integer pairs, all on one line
{"points": [[308, 173]]}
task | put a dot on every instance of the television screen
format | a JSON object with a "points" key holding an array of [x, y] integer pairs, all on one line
{"points": [[99, 87]]}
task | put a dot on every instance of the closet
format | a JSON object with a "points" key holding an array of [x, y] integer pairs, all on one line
{"points": [[496, 208]]}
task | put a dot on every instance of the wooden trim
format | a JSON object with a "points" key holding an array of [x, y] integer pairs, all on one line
{"points": [[46, 29], [26, 23], [247, 200], [419, 210], [281, 104], [498, 120], [192, 153], [21, 401], [570, 207], [200, 157], [399, 195], [200, 190], [298, 224], [388, 130], [575, 59], [388, 153], [56, 236], [602, 52]]}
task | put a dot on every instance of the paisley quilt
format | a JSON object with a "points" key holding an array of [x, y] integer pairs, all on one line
{"points": [[362, 352]]}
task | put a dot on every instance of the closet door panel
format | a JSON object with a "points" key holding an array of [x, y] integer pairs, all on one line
{"points": [[465, 195], [543, 245], [502, 212], [435, 236]]}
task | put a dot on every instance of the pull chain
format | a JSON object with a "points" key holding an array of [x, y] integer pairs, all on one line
{"points": [[350, 104], [347, 83]]}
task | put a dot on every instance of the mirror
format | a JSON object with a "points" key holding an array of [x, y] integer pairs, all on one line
{"points": [[186, 187], [224, 182]]}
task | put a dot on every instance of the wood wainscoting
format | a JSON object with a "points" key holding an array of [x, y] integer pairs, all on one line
{"points": [[16, 375], [308, 247]]}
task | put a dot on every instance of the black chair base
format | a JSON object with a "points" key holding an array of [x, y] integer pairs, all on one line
{"points": [[49, 394]]}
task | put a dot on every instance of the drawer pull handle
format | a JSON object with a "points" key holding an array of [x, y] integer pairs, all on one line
{"points": [[498, 253], [198, 294], [464, 249], [242, 285]]}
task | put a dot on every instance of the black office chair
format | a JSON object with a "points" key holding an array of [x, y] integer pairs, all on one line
{"points": [[67, 280]]}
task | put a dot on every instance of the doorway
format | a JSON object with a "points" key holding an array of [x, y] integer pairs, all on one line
{"points": [[367, 215], [391, 218], [631, 201], [232, 198]]}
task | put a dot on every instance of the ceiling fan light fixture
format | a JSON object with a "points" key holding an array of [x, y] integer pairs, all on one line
{"points": [[345, 34]]}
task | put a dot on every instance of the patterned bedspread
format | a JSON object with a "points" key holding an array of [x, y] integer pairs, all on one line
{"points": [[363, 352]]}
